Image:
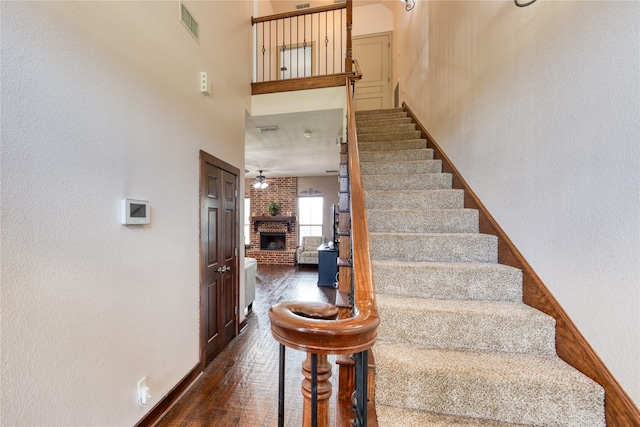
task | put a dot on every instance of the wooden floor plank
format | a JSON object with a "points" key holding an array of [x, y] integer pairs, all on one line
{"points": [[240, 386]]}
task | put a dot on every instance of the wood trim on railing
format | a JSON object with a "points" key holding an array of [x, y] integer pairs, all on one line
{"points": [[301, 12], [571, 345], [302, 83], [295, 324], [348, 59]]}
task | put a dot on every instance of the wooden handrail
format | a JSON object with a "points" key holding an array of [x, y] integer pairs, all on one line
{"points": [[301, 325], [357, 75], [302, 12]]}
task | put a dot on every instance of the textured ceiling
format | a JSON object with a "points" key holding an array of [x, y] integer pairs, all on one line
{"points": [[286, 151]]}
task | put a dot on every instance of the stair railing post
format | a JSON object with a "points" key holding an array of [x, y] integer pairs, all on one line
{"points": [[322, 389], [281, 387], [361, 398]]}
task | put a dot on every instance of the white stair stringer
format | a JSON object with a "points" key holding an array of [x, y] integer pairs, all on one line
{"points": [[456, 345]]}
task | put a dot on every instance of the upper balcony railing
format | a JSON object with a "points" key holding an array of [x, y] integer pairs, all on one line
{"points": [[307, 48]]}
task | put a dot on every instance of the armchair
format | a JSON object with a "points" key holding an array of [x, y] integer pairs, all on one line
{"points": [[307, 253]]}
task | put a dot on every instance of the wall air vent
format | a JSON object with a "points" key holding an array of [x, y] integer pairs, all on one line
{"points": [[187, 19], [303, 6]]}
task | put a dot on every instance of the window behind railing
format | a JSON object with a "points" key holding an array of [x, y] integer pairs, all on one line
{"points": [[310, 212], [300, 44]]}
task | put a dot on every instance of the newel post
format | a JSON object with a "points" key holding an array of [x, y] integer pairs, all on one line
{"points": [[323, 388]]}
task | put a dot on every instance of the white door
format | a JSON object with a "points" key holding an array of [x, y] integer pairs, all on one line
{"points": [[373, 55]]}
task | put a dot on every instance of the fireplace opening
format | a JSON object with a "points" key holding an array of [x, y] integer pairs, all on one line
{"points": [[273, 241]]}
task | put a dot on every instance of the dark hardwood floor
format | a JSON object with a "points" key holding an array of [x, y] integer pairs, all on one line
{"points": [[240, 386]]}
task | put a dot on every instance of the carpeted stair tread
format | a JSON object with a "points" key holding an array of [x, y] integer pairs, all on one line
{"points": [[391, 136], [425, 181], [388, 128], [395, 155], [391, 416], [423, 221], [459, 281], [402, 167], [466, 324], [392, 145], [414, 199], [438, 247], [507, 387], [365, 123], [381, 116]]}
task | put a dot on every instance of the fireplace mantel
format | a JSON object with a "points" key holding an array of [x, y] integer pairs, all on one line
{"points": [[260, 219]]}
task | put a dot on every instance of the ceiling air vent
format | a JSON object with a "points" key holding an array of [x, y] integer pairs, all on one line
{"points": [[267, 128], [303, 6], [188, 21]]}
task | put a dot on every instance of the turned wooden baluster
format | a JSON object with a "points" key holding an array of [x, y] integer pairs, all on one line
{"points": [[324, 390]]}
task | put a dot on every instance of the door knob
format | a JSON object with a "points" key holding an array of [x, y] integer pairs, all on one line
{"points": [[227, 268], [222, 269]]}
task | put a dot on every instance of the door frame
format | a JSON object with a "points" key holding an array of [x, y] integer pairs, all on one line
{"points": [[204, 159]]}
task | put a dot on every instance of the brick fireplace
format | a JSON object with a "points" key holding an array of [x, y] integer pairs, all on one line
{"points": [[279, 232]]}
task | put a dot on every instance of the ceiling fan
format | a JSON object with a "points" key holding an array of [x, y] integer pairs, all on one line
{"points": [[260, 182]]}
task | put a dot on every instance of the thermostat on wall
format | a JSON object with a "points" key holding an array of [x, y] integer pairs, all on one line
{"points": [[135, 212]]}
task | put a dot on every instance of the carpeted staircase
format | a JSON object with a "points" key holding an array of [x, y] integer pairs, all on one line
{"points": [[456, 345]]}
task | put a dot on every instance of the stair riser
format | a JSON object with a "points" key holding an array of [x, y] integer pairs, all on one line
{"points": [[392, 146], [400, 155], [434, 247], [387, 129], [401, 168], [439, 181], [383, 112], [419, 199], [514, 400], [524, 331], [433, 221], [484, 282], [394, 136], [363, 123]]}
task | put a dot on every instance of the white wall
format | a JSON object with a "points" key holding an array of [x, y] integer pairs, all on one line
{"points": [[538, 108], [371, 19], [100, 101]]}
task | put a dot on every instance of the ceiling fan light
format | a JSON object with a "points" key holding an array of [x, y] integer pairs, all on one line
{"points": [[261, 182]]}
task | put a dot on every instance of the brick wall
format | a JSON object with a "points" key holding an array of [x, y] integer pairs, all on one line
{"points": [[284, 190]]}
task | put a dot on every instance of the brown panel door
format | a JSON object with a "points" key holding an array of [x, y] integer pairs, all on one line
{"points": [[218, 256], [229, 245]]}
